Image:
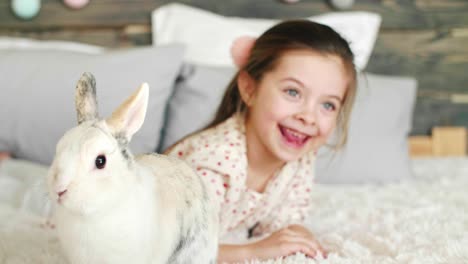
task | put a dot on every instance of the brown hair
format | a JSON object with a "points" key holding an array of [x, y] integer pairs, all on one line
{"points": [[268, 48]]}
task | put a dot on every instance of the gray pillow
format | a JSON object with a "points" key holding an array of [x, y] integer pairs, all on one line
{"points": [[377, 148], [197, 95], [37, 94]]}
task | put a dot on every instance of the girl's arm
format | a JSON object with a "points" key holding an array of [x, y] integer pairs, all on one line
{"points": [[286, 237], [234, 253], [284, 242]]}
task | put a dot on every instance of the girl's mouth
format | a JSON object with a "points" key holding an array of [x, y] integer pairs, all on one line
{"points": [[292, 137]]}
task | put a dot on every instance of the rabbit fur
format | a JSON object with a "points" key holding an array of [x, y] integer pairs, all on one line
{"points": [[145, 209]]}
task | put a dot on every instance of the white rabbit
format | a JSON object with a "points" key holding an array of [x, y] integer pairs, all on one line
{"points": [[114, 208]]}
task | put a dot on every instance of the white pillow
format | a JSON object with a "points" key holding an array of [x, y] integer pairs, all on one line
{"points": [[33, 44], [209, 36]]}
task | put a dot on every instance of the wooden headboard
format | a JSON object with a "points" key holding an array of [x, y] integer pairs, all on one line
{"points": [[427, 39]]}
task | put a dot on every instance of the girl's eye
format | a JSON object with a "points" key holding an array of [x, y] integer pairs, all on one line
{"points": [[100, 162], [329, 106], [292, 92]]}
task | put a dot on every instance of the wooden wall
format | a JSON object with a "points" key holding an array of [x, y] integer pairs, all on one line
{"points": [[427, 39]]}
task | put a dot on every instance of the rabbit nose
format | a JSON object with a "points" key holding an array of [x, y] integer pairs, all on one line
{"points": [[60, 194]]}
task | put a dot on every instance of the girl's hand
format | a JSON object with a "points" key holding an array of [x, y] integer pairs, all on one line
{"points": [[288, 241]]}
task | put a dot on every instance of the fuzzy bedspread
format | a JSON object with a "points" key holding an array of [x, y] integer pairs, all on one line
{"points": [[422, 220]]}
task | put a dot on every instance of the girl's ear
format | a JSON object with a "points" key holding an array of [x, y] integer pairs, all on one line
{"points": [[246, 86]]}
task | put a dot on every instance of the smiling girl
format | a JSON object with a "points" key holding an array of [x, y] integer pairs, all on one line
{"points": [[296, 85]]}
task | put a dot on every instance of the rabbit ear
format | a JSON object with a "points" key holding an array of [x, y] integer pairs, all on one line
{"points": [[85, 98], [129, 117]]}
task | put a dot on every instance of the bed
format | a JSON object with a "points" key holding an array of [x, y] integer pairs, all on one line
{"points": [[387, 197], [422, 220]]}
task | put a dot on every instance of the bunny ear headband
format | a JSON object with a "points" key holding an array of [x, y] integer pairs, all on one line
{"points": [[240, 50]]}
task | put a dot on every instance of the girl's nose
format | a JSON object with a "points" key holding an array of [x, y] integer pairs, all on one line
{"points": [[307, 117]]}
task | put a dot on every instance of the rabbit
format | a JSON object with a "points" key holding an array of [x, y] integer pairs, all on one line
{"points": [[112, 207]]}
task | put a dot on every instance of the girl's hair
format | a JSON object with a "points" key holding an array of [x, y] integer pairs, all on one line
{"points": [[267, 50]]}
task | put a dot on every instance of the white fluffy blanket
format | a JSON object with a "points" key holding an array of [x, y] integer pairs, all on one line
{"points": [[422, 220]]}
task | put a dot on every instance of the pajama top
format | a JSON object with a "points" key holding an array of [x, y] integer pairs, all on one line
{"points": [[219, 156]]}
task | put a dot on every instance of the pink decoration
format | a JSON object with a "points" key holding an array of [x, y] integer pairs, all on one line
{"points": [[240, 50], [76, 4]]}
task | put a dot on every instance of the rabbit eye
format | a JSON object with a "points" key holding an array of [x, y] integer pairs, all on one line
{"points": [[100, 162]]}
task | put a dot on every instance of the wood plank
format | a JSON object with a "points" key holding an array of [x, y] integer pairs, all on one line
{"points": [[449, 141], [420, 146], [437, 58], [396, 14], [106, 37]]}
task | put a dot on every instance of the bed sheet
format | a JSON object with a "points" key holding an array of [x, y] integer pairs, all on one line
{"points": [[421, 220]]}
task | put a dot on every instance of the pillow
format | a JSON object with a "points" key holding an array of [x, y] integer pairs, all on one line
{"points": [[209, 40], [27, 44], [376, 151], [197, 95], [377, 147], [38, 86]]}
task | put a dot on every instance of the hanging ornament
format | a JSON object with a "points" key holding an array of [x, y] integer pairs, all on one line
{"points": [[290, 1], [25, 9], [342, 4], [76, 4]]}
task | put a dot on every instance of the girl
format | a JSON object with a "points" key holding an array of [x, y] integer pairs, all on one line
{"points": [[298, 82]]}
